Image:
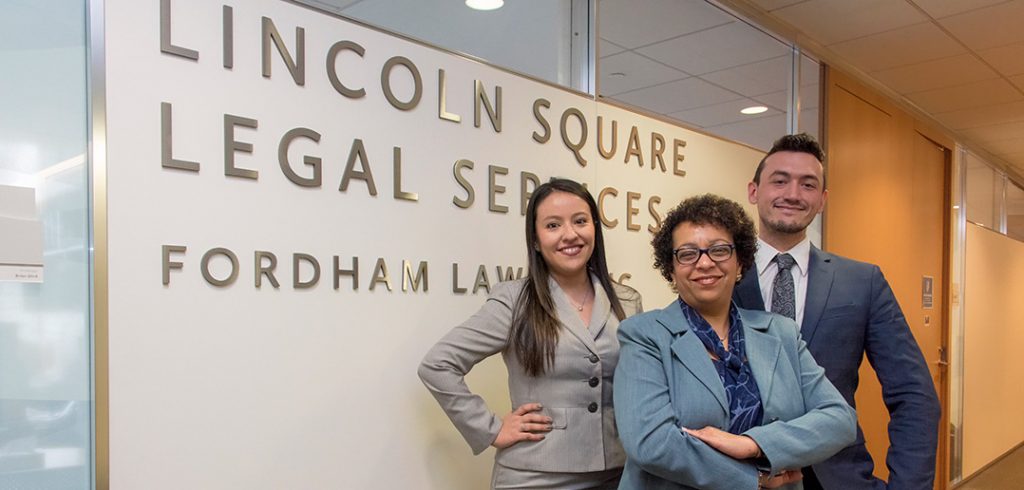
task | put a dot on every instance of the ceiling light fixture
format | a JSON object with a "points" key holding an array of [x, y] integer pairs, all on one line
{"points": [[756, 109], [617, 74], [485, 4]]}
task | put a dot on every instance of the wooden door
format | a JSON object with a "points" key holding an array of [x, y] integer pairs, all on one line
{"points": [[931, 324], [888, 205]]}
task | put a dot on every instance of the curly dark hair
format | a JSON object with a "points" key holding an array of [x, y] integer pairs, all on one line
{"points": [[707, 209]]}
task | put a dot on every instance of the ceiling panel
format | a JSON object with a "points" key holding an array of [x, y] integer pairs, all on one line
{"points": [[833, 21], [635, 23], [1016, 158], [946, 72], [755, 78], [607, 48], [636, 72], [903, 46], [719, 114], [974, 94], [770, 5], [1008, 60], [983, 116], [759, 133], [715, 49], [945, 8], [1006, 147], [775, 100], [678, 96], [989, 27], [996, 132], [899, 43], [962, 61]]}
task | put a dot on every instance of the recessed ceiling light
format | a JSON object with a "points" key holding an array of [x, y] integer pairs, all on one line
{"points": [[756, 109], [485, 4], [957, 206], [617, 74]]}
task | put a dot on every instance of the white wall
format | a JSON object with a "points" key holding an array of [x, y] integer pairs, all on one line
{"points": [[239, 387], [992, 340]]}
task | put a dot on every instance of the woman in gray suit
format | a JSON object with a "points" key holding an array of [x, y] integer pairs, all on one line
{"points": [[555, 330], [711, 396]]}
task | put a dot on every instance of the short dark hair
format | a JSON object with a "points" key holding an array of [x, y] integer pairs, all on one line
{"points": [[707, 209], [799, 143]]}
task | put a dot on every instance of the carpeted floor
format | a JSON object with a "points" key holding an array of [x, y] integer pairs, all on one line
{"points": [[1007, 474]]}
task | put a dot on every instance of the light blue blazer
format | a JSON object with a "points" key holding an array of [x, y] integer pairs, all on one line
{"points": [[665, 380]]}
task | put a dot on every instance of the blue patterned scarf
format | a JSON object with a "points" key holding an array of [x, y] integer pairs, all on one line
{"points": [[733, 369]]}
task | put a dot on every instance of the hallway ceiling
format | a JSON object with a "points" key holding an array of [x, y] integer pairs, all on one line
{"points": [[960, 61]]}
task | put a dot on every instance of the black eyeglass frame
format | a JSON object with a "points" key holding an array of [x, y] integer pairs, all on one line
{"points": [[704, 251]]}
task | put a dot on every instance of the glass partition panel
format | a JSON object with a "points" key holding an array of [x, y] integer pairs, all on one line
{"points": [[45, 354], [983, 194], [1015, 211], [695, 63], [532, 38], [810, 96]]}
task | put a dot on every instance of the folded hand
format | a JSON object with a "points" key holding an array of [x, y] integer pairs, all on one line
{"points": [[732, 445]]}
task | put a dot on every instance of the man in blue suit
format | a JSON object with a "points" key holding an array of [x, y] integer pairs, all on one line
{"points": [[845, 309]]}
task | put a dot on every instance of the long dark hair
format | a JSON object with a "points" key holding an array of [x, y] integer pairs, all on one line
{"points": [[534, 333]]}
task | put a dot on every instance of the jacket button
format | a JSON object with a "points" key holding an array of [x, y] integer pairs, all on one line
{"points": [[592, 407], [594, 358], [594, 381]]}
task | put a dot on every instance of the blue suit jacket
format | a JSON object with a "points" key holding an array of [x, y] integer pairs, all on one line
{"points": [[665, 380], [850, 311]]}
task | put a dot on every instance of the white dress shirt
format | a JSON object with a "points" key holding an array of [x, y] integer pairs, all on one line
{"points": [[767, 270]]}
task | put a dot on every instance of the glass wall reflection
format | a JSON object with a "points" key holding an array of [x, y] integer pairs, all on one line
{"points": [[45, 356], [1014, 211], [692, 62], [531, 38]]}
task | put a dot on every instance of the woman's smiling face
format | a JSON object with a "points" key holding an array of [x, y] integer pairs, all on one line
{"points": [[705, 285], [565, 234]]}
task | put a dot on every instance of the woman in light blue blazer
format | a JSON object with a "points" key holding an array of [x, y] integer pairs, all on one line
{"points": [[710, 396], [556, 331]]}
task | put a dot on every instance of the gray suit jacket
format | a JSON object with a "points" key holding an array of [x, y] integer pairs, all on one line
{"points": [[576, 392], [666, 380]]}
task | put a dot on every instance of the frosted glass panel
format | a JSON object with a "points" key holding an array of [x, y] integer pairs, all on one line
{"points": [[45, 353], [984, 193]]}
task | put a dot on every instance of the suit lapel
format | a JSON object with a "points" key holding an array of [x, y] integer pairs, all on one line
{"points": [[569, 316], [820, 274], [748, 291], [690, 352], [601, 311], [762, 352]]}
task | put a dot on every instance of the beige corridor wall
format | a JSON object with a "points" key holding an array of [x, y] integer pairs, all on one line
{"points": [[992, 342]]}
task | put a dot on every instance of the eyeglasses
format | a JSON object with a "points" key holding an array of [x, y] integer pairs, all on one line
{"points": [[690, 255]]}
